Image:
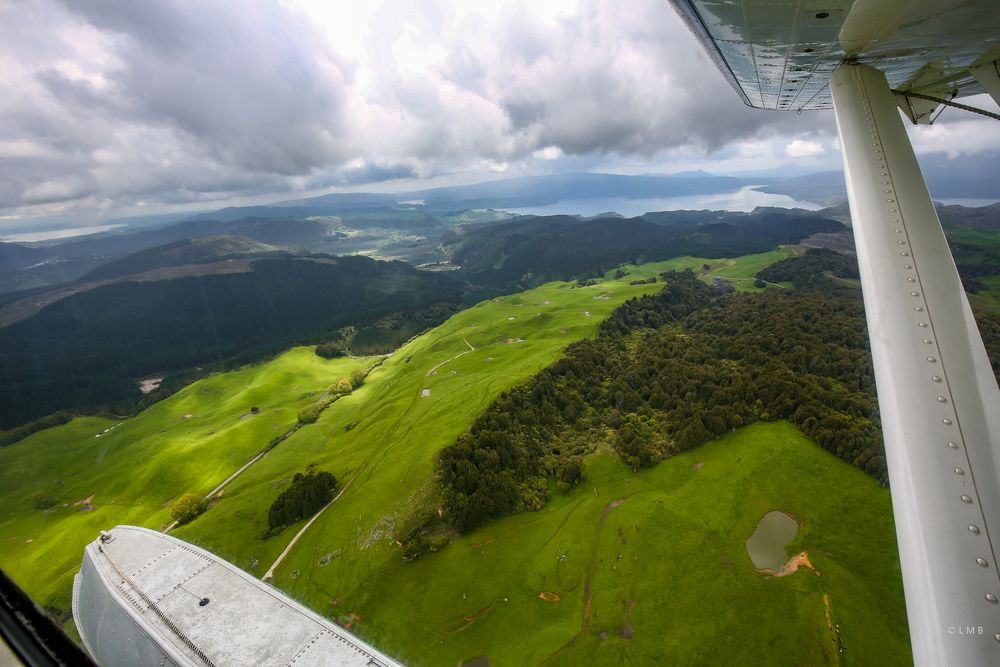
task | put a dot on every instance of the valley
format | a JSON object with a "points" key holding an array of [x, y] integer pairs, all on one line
{"points": [[68, 463], [617, 532], [569, 582]]}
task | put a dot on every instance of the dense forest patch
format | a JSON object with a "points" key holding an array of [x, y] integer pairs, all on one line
{"points": [[308, 494], [667, 373], [811, 268]]}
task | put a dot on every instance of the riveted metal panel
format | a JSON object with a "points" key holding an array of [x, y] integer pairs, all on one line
{"points": [[778, 54]]}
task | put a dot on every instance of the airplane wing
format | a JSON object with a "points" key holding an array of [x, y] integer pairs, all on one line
{"points": [[938, 397]]}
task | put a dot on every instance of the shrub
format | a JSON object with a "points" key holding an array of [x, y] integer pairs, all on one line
{"points": [[341, 387], [308, 494], [187, 507], [330, 350], [43, 501], [310, 413]]}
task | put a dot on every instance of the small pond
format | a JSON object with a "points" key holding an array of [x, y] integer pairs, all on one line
{"points": [[766, 546]]}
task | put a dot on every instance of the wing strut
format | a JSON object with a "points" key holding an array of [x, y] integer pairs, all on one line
{"points": [[938, 398], [988, 76]]}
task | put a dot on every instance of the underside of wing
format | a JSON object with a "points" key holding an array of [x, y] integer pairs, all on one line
{"points": [[779, 54]]}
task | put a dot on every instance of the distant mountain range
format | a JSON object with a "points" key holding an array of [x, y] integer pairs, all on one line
{"points": [[971, 177], [506, 193], [409, 225], [394, 226]]}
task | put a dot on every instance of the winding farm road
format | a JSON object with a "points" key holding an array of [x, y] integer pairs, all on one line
{"points": [[460, 354]]}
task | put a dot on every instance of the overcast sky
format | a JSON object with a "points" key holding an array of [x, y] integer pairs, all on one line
{"points": [[127, 107]]}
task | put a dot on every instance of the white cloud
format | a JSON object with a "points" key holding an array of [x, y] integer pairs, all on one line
{"points": [[803, 148], [548, 153], [958, 132]]}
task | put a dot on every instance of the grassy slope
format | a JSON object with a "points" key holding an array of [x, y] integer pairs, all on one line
{"points": [[382, 440], [978, 245], [739, 271], [674, 546], [134, 470], [139, 466]]}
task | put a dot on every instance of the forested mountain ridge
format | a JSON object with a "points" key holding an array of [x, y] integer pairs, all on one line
{"points": [[810, 269], [90, 348], [530, 251], [197, 250]]}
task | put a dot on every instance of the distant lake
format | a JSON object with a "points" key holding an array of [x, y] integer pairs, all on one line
{"points": [[52, 234], [745, 199]]}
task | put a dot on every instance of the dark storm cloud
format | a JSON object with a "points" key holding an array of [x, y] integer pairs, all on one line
{"points": [[135, 99], [375, 173], [256, 85]]}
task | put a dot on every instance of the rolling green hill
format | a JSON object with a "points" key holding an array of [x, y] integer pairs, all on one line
{"points": [[625, 567], [69, 463], [199, 250], [90, 348], [659, 553], [529, 251], [62, 485]]}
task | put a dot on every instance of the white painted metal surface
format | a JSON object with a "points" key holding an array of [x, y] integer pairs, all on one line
{"points": [[988, 76], [938, 398], [145, 598], [779, 54]]}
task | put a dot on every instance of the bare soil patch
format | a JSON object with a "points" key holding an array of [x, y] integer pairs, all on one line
{"points": [[86, 504], [794, 563], [627, 632]]}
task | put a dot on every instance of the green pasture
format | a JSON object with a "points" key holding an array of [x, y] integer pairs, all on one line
{"points": [[188, 443], [195, 439], [672, 550], [382, 439], [738, 271]]}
